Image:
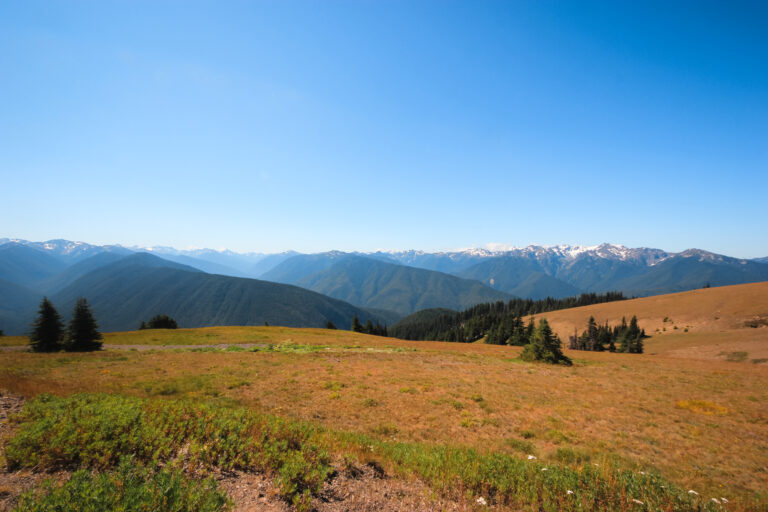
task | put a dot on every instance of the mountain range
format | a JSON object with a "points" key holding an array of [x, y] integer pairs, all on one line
{"points": [[289, 288]]}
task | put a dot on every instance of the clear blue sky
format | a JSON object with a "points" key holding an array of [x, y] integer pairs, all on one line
{"points": [[356, 125]]}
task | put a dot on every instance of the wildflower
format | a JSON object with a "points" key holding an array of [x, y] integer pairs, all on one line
{"points": [[531, 457], [569, 492], [716, 500], [693, 492], [723, 500], [481, 501], [544, 469], [642, 472], [637, 501]]}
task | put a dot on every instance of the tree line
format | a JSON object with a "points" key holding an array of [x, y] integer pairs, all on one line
{"points": [[369, 327], [501, 322], [620, 338]]}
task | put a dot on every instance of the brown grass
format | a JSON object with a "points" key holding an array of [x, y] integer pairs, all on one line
{"points": [[716, 319]]}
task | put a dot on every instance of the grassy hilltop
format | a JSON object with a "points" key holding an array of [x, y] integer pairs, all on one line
{"points": [[461, 418]]}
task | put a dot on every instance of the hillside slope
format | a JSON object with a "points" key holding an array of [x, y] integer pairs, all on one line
{"points": [[372, 283], [141, 286], [718, 320]]}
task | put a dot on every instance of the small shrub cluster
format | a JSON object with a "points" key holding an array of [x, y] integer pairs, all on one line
{"points": [[130, 487], [159, 322]]}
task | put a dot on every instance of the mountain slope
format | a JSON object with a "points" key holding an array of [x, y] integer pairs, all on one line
{"points": [[519, 276], [79, 269], [17, 307], [140, 286], [296, 268], [693, 269], [376, 284], [27, 266]]}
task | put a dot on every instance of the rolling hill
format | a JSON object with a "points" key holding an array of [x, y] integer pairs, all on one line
{"points": [[708, 323]]}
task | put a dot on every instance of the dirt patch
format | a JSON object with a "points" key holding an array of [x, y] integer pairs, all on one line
{"points": [[354, 487]]}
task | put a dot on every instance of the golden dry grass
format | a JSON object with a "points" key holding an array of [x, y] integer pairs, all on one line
{"points": [[716, 320]]}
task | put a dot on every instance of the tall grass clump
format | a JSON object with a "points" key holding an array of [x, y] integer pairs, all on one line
{"points": [[129, 488], [96, 430]]}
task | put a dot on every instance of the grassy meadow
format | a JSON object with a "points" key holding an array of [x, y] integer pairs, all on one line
{"points": [[691, 411]]}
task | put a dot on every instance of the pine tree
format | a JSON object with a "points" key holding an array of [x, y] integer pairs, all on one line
{"points": [[47, 330], [82, 333], [545, 346], [356, 325], [330, 325]]}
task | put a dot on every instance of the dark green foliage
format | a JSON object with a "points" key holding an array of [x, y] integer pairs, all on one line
{"points": [[160, 322], [95, 431], [1, 333], [595, 338], [82, 333], [330, 325], [545, 347], [369, 327], [500, 321], [47, 331], [129, 488]]}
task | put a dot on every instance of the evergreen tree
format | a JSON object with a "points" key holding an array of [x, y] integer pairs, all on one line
{"points": [[369, 327], [356, 325], [545, 346], [330, 325], [82, 333], [47, 330]]}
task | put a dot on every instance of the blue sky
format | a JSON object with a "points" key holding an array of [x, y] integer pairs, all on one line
{"points": [[357, 125]]}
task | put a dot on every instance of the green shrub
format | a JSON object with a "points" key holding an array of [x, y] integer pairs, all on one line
{"points": [[94, 430], [130, 488]]}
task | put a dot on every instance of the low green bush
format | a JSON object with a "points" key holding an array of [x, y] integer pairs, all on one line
{"points": [[96, 430], [129, 488]]}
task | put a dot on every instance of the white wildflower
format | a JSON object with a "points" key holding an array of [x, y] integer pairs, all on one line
{"points": [[723, 500], [531, 457], [637, 501], [693, 492], [642, 472], [716, 500], [544, 469], [569, 492], [481, 501]]}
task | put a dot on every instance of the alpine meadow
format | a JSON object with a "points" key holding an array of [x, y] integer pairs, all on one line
{"points": [[383, 256]]}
